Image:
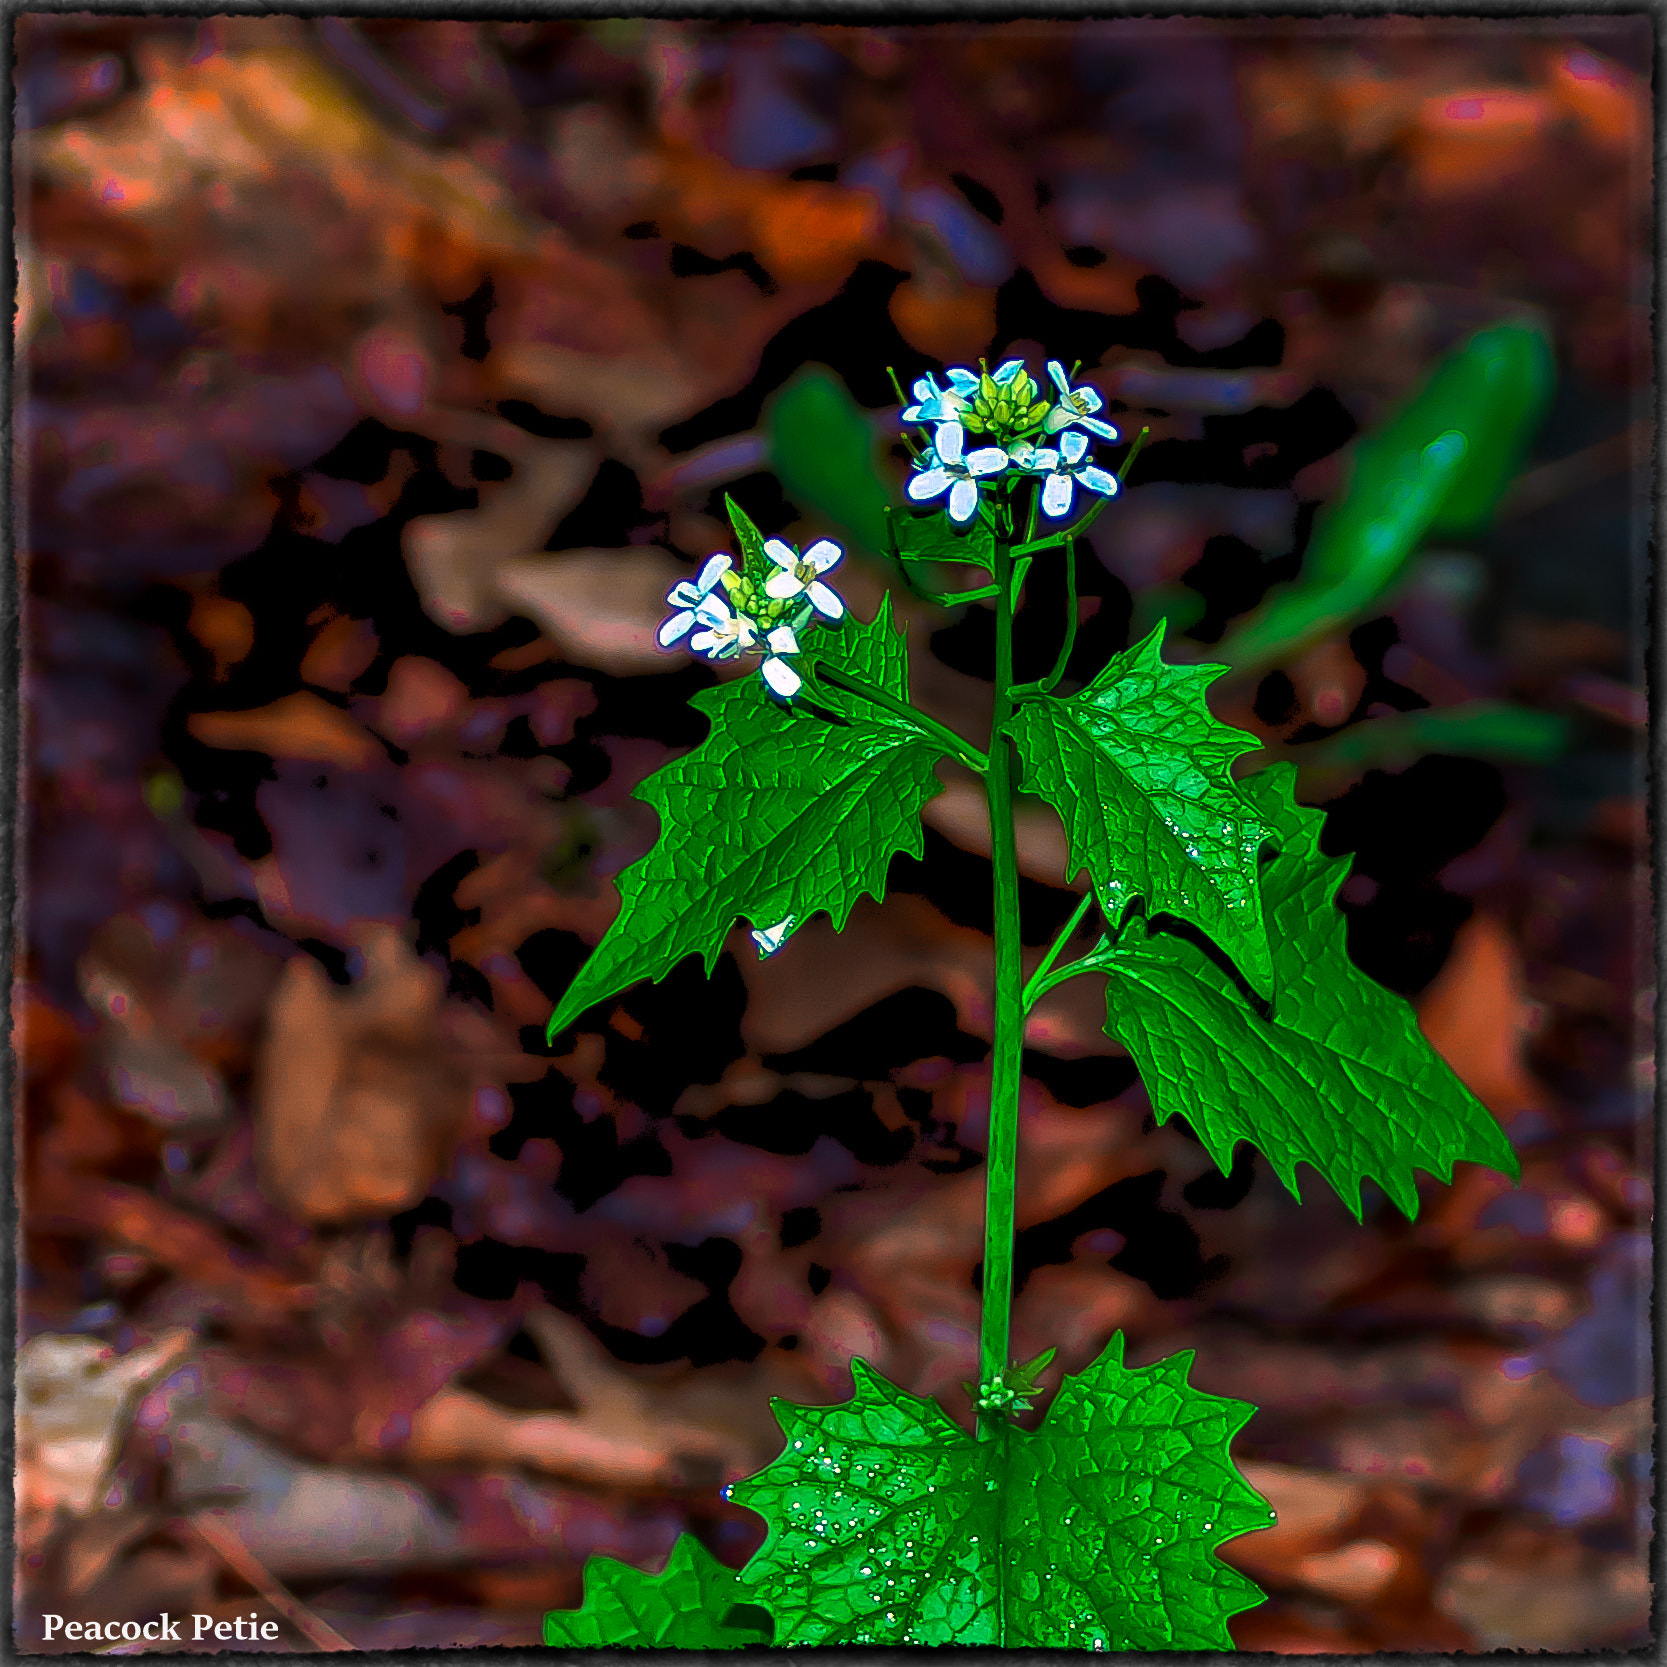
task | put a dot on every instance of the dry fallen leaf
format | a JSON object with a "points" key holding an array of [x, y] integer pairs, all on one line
{"points": [[355, 1105], [454, 558], [622, 1435], [600, 607], [1476, 1015], [302, 725], [74, 1398]]}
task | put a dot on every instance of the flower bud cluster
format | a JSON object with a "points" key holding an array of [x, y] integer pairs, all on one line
{"points": [[1005, 406], [761, 613]]}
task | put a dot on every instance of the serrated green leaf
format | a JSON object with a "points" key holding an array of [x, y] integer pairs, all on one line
{"points": [[822, 449], [889, 1525], [1138, 770], [1340, 1077], [933, 538], [777, 814], [694, 1603]]}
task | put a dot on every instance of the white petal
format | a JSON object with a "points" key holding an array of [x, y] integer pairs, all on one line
{"points": [[712, 572], [1097, 480], [713, 610], [963, 501], [1044, 460], [674, 628], [1095, 426], [949, 442], [782, 679], [783, 585], [1006, 371], [928, 484], [1057, 418], [961, 380], [1056, 495], [1072, 445], [826, 602], [987, 460], [1088, 399], [781, 554], [913, 413], [703, 642], [782, 640], [772, 937], [823, 554], [683, 594], [1057, 372], [924, 389]]}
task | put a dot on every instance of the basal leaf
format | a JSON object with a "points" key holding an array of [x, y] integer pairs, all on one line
{"points": [[694, 1603], [1138, 770], [1340, 1077], [777, 814], [890, 1526]]}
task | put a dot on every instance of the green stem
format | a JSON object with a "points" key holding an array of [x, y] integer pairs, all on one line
{"points": [[963, 750], [1049, 682], [1038, 979], [1041, 983], [1006, 1059], [1077, 529]]}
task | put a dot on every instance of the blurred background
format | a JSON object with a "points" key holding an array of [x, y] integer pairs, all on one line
{"points": [[376, 377]]}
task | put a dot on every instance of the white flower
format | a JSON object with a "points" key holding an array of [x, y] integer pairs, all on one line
{"points": [[773, 937], [946, 466], [688, 597], [802, 576], [727, 633], [934, 404], [1075, 408], [779, 677], [941, 405], [1061, 470]]}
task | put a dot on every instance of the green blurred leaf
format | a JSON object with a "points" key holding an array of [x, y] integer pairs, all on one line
{"points": [[1139, 772], [1476, 729], [822, 449], [694, 1603], [889, 1525], [1340, 1077], [777, 814], [1439, 465]]}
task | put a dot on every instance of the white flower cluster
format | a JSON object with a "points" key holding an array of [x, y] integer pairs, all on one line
{"points": [[1003, 405], [738, 615]]}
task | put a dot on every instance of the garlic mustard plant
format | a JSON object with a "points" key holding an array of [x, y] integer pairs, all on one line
{"points": [[1215, 933]]}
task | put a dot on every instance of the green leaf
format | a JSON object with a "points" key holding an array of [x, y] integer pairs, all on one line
{"points": [[749, 541], [1340, 1077], [695, 1603], [777, 814], [822, 449], [1438, 466], [889, 1525], [933, 538], [1472, 729], [1139, 772]]}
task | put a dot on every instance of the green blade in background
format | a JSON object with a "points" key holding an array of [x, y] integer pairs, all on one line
{"points": [[1439, 465], [822, 448]]}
